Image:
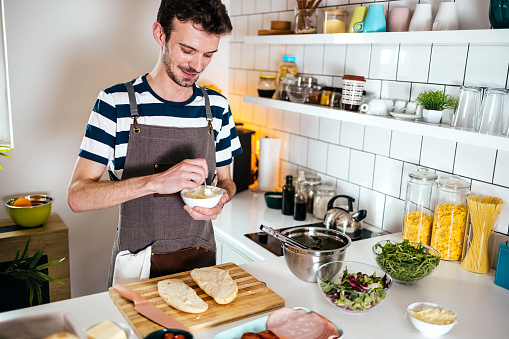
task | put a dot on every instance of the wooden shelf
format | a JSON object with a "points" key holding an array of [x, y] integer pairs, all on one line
{"points": [[441, 131], [481, 36]]}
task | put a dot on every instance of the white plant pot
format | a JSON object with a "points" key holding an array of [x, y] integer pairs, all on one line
{"points": [[430, 115]]}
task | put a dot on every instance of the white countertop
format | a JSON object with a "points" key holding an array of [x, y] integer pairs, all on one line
{"points": [[481, 306]]}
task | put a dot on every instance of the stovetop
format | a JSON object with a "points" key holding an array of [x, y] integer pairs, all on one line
{"points": [[273, 245]]}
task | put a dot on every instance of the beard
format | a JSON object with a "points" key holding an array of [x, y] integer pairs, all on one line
{"points": [[179, 80]]}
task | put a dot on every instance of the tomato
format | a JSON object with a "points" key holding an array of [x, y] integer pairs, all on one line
{"points": [[169, 336], [180, 336]]}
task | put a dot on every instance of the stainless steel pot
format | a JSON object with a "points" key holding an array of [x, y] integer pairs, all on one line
{"points": [[348, 221], [304, 263]]}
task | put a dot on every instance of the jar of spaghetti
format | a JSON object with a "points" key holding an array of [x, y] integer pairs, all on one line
{"points": [[450, 217], [418, 215]]}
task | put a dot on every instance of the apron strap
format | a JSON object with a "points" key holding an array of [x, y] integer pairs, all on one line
{"points": [[208, 111], [133, 107]]}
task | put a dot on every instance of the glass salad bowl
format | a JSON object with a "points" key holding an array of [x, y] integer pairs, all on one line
{"points": [[407, 262], [353, 286]]}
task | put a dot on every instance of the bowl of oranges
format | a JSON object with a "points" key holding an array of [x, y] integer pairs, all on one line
{"points": [[30, 211]]}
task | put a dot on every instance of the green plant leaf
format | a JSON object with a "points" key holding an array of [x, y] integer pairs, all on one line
{"points": [[49, 264]]}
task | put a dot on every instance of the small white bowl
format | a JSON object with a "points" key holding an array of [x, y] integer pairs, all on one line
{"points": [[429, 115], [204, 202], [429, 329]]}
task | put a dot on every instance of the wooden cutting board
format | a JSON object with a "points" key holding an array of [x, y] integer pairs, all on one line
{"points": [[253, 298]]}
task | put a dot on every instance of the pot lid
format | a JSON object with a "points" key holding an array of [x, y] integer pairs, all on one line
{"points": [[423, 173]]}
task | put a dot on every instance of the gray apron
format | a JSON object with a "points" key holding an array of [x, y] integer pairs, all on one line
{"points": [[160, 221]]}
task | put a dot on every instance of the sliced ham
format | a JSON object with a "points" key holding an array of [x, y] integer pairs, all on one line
{"points": [[288, 323]]}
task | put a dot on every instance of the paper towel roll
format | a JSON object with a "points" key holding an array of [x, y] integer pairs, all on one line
{"points": [[268, 170]]}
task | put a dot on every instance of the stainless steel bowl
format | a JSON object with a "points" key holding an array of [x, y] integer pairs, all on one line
{"points": [[304, 263]]}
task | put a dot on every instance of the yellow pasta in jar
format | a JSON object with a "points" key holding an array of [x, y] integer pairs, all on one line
{"points": [[448, 230], [417, 227]]}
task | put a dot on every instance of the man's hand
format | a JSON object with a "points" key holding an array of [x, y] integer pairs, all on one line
{"points": [[188, 174], [203, 213]]}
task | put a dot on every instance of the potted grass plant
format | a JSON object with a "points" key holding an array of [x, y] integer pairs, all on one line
{"points": [[434, 103]]}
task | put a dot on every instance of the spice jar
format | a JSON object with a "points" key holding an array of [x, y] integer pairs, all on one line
{"points": [[450, 217], [305, 20], [315, 95], [266, 86], [334, 21], [324, 193], [335, 97], [418, 215], [311, 183], [326, 95]]}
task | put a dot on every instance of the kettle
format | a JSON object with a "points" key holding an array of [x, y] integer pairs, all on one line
{"points": [[346, 221]]}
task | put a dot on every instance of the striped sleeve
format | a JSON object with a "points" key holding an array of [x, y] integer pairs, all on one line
{"points": [[227, 142]]}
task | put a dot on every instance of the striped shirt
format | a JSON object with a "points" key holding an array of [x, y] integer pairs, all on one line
{"points": [[107, 133]]}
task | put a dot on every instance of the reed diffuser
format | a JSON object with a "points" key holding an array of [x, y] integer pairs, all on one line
{"points": [[305, 17]]}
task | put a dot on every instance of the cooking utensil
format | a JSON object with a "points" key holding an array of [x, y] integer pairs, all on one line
{"points": [[347, 221], [144, 307], [304, 263], [289, 241]]}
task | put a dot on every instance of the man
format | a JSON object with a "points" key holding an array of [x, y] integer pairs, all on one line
{"points": [[166, 135]]}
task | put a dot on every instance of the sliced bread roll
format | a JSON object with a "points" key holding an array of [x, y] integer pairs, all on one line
{"points": [[217, 283], [177, 294]]}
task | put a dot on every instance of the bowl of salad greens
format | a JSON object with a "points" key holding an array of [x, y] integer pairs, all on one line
{"points": [[356, 287], [407, 261]]}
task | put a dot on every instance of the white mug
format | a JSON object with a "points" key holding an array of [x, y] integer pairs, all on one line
{"points": [[411, 107], [447, 17], [376, 107], [399, 105], [422, 19]]}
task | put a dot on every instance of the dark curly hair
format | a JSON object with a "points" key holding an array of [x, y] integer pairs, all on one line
{"points": [[211, 15]]}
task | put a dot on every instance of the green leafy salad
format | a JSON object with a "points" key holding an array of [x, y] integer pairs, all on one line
{"points": [[406, 261], [356, 292]]}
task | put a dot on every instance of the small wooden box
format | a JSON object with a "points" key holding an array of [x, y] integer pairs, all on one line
{"points": [[52, 238]]}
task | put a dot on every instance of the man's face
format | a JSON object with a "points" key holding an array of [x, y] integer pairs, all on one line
{"points": [[188, 52]]}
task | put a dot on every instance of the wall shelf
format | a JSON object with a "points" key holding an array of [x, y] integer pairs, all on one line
{"points": [[481, 36], [442, 131]]}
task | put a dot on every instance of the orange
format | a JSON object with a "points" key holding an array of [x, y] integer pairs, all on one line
{"points": [[22, 202]]}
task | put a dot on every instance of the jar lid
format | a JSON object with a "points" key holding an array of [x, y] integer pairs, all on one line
{"points": [[313, 179], [326, 188], [289, 58], [264, 76], [424, 174], [337, 89], [454, 182], [327, 88], [334, 10], [354, 77]]}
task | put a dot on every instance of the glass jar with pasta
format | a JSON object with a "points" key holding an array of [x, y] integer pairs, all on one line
{"points": [[418, 215], [450, 217]]}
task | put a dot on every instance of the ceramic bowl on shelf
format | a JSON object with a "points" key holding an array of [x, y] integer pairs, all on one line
{"points": [[201, 196], [419, 314], [30, 211], [299, 94]]}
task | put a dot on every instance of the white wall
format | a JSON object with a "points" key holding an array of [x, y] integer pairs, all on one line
{"points": [[61, 54], [371, 164]]}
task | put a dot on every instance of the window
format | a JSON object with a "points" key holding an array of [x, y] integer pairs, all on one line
{"points": [[5, 107]]}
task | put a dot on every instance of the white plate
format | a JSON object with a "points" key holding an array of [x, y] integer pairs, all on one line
{"points": [[128, 330], [401, 116]]}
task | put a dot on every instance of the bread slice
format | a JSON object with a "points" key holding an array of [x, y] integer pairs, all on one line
{"points": [[217, 283], [179, 295]]}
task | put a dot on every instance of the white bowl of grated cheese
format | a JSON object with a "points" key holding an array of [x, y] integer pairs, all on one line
{"points": [[430, 319], [201, 196]]}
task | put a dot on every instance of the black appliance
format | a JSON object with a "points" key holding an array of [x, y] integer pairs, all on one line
{"points": [[242, 174], [273, 245]]}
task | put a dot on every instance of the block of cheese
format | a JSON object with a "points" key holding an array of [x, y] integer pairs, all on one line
{"points": [[106, 330], [217, 283], [179, 295]]}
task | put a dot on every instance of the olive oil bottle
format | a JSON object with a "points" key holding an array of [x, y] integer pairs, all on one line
{"points": [[288, 196], [299, 209]]}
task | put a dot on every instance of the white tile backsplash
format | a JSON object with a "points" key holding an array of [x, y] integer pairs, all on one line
{"points": [[352, 135], [278, 5], [317, 155], [361, 169], [275, 118], [393, 214], [447, 64], [501, 176], [334, 60], [481, 168], [262, 6], [313, 59], [487, 66], [298, 150], [384, 62], [261, 57], [406, 146], [338, 161], [235, 55], [248, 6], [309, 125], [413, 63], [387, 176], [374, 203], [357, 59], [285, 144], [438, 153], [329, 130], [377, 140], [255, 21], [291, 121], [396, 90]]}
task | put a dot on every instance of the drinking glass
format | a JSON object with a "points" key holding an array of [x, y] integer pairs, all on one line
{"points": [[469, 106], [493, 117]]}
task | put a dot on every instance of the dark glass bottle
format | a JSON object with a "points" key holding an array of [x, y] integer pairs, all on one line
{"points": [[299, 210], [288, 196]]}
